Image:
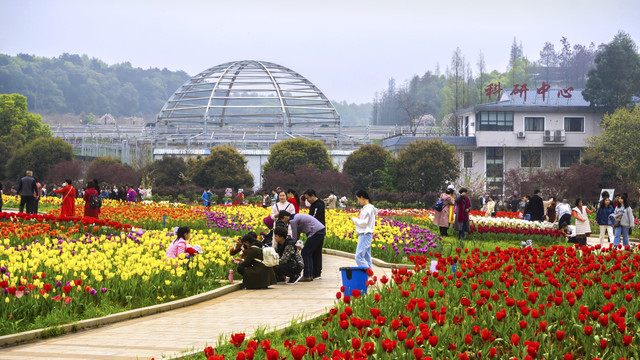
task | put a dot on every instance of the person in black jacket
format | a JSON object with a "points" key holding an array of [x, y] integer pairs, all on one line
{"points": [[290, 258], [27, 189], [317, 211], [536, 207]]}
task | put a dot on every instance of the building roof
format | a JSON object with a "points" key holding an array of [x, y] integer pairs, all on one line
{"points": [[402, 141]]}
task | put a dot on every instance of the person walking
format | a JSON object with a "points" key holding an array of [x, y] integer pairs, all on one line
{"points": [[266, 199], [444, 218], [463, 205], [365, 225], [317, 210], [536, 206], [623, 215], [583, 229], [603, 218], [206, 197], [68, 193], [37, 195], [315, 231], [27, 189], [88, 196]]}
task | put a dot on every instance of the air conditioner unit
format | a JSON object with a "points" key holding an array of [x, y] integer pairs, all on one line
{"points": [[548, 133], [521, 134]]}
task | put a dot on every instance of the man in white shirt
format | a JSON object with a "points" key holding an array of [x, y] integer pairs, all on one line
{"points": [[563, 211]]}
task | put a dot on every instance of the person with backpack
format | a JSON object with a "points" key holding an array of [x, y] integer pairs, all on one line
{"points": [[315, 231], [206, 197], [443, 218], [290, 264], [255, 274], [91, 201]]}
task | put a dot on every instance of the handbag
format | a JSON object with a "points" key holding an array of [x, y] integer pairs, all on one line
{"points": [[268, 221], [616, 224]]}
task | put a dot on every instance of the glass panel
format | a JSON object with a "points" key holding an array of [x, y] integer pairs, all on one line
{"points": [[569, 157]]}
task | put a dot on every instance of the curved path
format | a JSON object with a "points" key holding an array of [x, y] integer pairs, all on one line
{"points": [[194, 327]]}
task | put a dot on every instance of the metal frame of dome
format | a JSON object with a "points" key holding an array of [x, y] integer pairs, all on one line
{"points": [[249, 93]]}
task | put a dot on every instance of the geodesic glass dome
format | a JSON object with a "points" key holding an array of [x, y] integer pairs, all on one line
{"points": [[250, 94]]}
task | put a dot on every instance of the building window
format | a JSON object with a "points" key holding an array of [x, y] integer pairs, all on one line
{"points": [[574, 124], [569, 157], [530, 158], [468, 159], [495, 121], [533, 124], [495, 169]]}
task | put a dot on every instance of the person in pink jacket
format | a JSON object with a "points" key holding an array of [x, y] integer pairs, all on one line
{"points": [[180, 245]]}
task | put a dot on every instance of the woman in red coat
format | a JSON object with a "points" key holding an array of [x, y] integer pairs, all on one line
{"points": [[68, 199], [88, 196]]}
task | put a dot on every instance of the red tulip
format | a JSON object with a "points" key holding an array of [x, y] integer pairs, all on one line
{"points": [[588, 330], [515, 339], [433, 341], [560, 335], [311, 341], [627, 340], [603, 344], [237, 339], [272, 354], [298, 352]]}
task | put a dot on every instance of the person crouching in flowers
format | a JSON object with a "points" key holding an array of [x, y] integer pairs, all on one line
{"points": [[365, 224], [179, 245], [255, 275]]}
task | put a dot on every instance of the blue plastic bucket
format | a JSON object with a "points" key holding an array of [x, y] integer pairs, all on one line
{"points": [[354, 278]]}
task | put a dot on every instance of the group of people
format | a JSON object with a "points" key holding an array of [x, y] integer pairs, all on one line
{"points": [[31, 191], [454, 211], [298, 261]]}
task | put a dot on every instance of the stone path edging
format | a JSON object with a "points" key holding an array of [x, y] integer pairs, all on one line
{"points": [[375, 261], [15, 339]]}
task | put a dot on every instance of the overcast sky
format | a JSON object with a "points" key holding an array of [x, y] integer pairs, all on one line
{"points": [[348, 48]]}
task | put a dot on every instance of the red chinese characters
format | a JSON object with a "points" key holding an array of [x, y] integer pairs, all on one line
{"points": [[542, 90], [493, 89], [519, 90], [565, 93]]}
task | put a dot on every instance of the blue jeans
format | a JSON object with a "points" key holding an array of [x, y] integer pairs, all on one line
{"points": [[625, 236], [363, 251]]}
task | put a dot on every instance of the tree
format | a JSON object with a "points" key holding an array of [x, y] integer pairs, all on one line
{"points": [[224, 167], [168, 171], [362, 164], [412, 108], [287, 154], [61, 171], [548, 57], [111, 171], [17, 127], [309, 178], [426, 166], [616, 78], [618, 144], [38, 156]]}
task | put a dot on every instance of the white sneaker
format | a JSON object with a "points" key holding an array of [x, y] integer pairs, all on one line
{"points": [[294, 280]]}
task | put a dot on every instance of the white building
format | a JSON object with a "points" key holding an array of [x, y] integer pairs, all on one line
{"points": [[520, 131]]}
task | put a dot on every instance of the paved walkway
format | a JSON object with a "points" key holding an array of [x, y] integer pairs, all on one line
{"points": [[169, 333]]}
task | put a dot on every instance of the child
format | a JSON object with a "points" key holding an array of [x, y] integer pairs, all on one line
{"points": [[180, 246]]}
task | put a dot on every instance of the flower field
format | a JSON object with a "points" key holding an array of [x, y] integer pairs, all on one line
{"points": [[54, 272], [546, 303]]}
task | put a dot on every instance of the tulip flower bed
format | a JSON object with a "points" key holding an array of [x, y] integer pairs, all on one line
{"points": [[51, 278], [45, 204], [547, 303]]}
